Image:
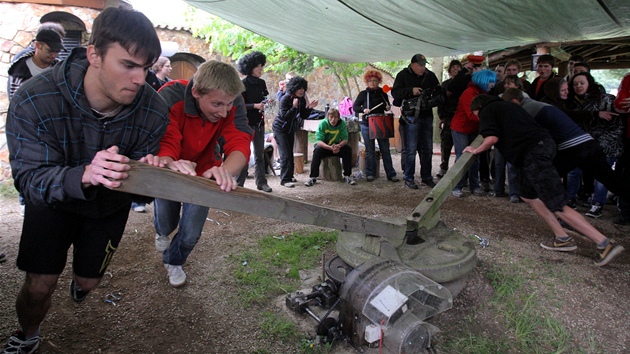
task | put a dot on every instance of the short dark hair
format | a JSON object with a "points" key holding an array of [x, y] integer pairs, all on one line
{"points": [[515, 79], [481, 100], [249, 61], [453, 63], [576, 58], [129, 28], [295, 84], [583, 64], [546, 58], [512, 94]]}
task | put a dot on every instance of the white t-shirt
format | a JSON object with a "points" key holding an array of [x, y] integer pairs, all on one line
{"points": [[33, 68]]}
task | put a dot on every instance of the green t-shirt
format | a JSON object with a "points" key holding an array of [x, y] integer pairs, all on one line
{"points": [[331, 135]]}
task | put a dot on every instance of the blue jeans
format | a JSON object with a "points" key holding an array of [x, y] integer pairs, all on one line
{"points": [[460, 141], [167, 219], [601, 192], [500, 166], [419, 137], [370, 158], [574, 179]]}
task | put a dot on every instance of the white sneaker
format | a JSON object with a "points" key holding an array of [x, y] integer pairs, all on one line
{"points": [[140, 209], [176, 275], [161, 242]]}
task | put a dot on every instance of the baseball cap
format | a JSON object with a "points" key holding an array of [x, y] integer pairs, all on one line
{"points": [[476, 59], [51, 38], [419, 58]]}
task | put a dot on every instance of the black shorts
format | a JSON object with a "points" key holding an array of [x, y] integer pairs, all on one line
{"points": [[539, 177], [47, 234]]}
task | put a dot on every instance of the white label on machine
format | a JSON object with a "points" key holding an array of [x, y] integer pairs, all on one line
{"points": [[389, 301], [372, 333]]}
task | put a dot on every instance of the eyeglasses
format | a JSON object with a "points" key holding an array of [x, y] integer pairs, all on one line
{"points": [[48, 50]]}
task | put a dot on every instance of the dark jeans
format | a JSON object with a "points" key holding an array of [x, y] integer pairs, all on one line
{"points": [[285, 149], [258, 151], [500, 166], [446, 146], [590, 158], [419, 137], [622, 171], [370, 156], [319, 153], [460, 141]]}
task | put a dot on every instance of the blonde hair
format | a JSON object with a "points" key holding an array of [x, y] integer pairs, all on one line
{"points": [[215, 75], [333, 111]]}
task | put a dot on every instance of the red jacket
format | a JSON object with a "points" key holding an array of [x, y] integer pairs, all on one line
{"points": [[464, 121], [191, 137]]}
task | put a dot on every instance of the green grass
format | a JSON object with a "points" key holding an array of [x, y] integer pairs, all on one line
{"points": [[272, 268], [7, 190], [524, 324]]}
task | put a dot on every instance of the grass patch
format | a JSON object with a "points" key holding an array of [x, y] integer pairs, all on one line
{"points": [[273, 267], [7, 190], [522, 321]]}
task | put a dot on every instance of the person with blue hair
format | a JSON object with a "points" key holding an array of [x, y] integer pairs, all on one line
{"points": [[465, 127]]}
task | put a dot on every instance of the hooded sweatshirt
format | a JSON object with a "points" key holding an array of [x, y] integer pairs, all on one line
{"points": [[52, 134]]}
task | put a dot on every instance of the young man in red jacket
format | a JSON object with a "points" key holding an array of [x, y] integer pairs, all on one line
{"points": [[202, 110]]}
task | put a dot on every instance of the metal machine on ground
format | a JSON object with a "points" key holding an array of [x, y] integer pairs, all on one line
{"points": [[390, 275]]}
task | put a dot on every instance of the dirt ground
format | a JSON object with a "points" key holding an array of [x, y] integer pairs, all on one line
{"points": [[205, 315]]}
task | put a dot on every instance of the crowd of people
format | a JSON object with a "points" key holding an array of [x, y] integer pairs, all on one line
{"points": [[115, 101]]}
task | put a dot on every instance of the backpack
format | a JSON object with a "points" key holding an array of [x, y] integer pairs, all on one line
{"points": [[345, 107]]}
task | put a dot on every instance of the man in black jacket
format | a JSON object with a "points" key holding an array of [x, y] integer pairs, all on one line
{"points": [[531, 149], [415, 86]]}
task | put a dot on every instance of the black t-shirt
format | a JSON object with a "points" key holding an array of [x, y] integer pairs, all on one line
{"points": [[516, 129]]}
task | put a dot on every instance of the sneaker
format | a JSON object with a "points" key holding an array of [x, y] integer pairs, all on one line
{"points": [[572, 203], [264, 188], [370, 178], [411, 185], [498, 194], [515, 199], [457, 193], [608, 253], [349, 180], [76, 293], [311, 181], [3, 257], [621, 220], [393, 179], [176, 275], [479, 192], [293, 179], [288, 184], [595, 211], [18, 344], [161, 243], [441, 174], [140, 209], [485, 186], [560, 246], [428, 183]]}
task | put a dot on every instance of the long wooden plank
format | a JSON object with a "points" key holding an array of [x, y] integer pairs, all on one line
{"points": [[426, 214], [163, 183]]}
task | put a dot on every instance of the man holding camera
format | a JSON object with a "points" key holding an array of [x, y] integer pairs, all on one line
{"points": [[415, 86]]}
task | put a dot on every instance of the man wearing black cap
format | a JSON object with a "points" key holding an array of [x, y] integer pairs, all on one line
{"points": [[417, 82], [38, 57]]}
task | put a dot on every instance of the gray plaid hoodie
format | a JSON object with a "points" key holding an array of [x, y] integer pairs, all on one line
{"points": [[52, 135]]}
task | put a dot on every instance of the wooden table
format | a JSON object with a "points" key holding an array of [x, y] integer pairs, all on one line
{"points": [[301, 138]]}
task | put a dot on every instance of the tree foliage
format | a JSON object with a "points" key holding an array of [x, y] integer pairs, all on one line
{"points": [[233, 41]]}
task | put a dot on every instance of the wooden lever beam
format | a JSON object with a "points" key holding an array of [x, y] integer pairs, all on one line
{"points": [[167, 184]]}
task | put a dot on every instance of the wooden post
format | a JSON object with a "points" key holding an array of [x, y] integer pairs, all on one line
{"points": [[330, 169], [298, 161], [301, 143]]}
